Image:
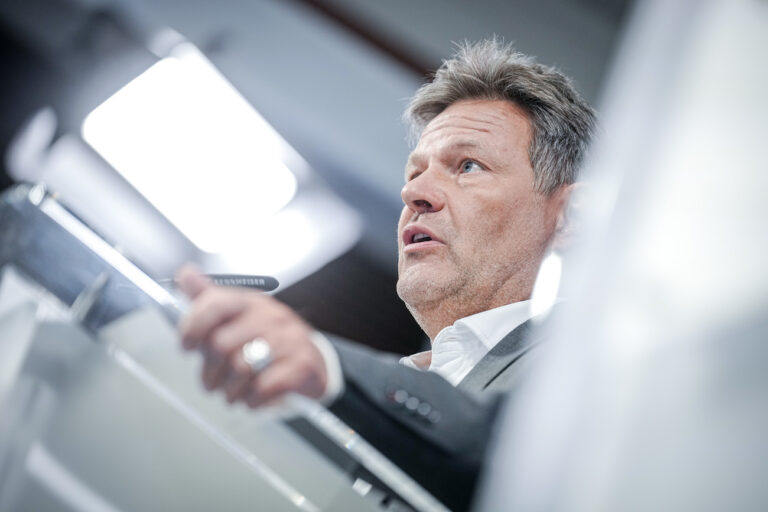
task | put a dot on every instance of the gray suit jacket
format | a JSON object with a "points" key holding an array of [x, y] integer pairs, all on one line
{"points": [[434, 431], [504, 365]]}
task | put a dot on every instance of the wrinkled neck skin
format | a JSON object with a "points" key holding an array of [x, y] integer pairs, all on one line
{"points": [[438, 314]]}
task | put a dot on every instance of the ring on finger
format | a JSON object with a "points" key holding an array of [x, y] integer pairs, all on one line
{"points": [[257, 354]]}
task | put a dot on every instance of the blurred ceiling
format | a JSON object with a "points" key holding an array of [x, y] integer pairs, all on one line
{"points": [[332, 77]]}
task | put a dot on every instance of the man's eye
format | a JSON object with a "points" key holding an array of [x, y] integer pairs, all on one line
{"points": [[470, 166]]}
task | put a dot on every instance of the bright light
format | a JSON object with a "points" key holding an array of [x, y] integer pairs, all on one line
{"points": [[194, 147], [547, 284], [291, 235], [306, 234]]}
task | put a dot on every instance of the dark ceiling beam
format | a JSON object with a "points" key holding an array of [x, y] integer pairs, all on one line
{"points": [[371, 36]]}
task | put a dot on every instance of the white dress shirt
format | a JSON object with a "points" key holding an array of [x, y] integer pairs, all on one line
{"points": [[455, 351], [459, 347]]}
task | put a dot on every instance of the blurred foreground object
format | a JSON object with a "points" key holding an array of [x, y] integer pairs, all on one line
{"points": [[154, 147], [100, 410], [655, 395]]}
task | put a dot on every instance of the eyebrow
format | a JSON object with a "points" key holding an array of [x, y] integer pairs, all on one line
{"points": [[465, 144], [458, 145]]}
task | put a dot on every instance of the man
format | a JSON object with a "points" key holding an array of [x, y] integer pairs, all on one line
{"points": [[499, 142]]}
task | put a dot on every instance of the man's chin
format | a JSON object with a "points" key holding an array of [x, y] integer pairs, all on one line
{"points": [[421, 288]]}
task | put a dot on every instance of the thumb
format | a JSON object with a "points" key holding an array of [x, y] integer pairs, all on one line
{"points": [[192, 281]]}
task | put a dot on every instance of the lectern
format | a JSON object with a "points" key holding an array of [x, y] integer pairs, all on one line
{"points": [[100, 410]]}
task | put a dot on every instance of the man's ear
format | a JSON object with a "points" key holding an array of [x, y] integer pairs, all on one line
{"points": [[570, 201]]}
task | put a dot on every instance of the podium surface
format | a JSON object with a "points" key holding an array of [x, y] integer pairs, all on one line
{"points": [[103, 411]]}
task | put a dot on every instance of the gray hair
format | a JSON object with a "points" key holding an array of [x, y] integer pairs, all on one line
{"points": [[562, 121]]}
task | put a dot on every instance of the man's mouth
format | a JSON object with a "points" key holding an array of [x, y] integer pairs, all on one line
{"points": [[415, 237]]}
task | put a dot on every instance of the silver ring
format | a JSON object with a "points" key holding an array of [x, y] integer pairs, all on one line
{"points": [[257, 354]]}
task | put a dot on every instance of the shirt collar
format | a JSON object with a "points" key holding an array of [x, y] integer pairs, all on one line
{"points": [[491, 326], [486, 328]]}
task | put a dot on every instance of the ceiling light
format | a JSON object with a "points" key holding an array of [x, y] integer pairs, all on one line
{"points": [[196, 149]]}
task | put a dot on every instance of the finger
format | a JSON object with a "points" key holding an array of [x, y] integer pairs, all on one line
{"points": [[297, 366], [239, 376], [236, 384], [229, 337], [214, 307], [191, 280], [263, 318], [298, 375], [286, 334], [270, 385], [214, 369], [228, 368]]}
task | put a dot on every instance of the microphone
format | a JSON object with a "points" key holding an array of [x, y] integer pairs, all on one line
{"points": [[263, 283]]}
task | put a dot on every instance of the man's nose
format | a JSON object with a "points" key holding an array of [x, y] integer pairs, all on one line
{"points": [[425, 193]]}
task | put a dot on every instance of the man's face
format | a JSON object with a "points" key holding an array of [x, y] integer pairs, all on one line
{"points": [[473, 231]]}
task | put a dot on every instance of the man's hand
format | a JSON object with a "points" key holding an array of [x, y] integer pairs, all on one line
{"points": [[221, 320]]}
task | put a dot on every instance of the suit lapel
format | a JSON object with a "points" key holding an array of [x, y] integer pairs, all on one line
{"points": [[500, 357]]}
